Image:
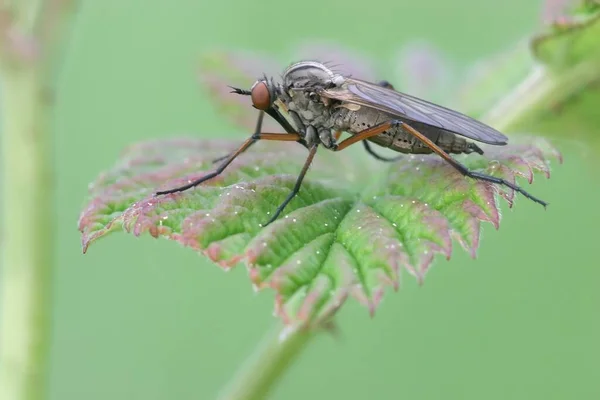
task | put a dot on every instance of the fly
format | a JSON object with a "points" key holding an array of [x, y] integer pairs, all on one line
{"points": [[321, 105]]}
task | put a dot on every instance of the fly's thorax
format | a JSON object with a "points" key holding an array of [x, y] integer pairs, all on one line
{"points": [[311, 111], [305, 74]]}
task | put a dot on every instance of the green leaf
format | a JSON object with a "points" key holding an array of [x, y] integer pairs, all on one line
{"points": [[351, 231]]}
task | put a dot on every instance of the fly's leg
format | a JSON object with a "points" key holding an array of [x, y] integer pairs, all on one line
{"points": [[296, 189], [277, 117], [257, 130], [363, 135], [372, 152], [464, 170], [368, 147], [252, 139], [377, 156], [380, 128]]}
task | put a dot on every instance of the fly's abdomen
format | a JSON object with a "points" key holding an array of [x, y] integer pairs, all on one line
{"points": [[404, 142], [396, 138]]}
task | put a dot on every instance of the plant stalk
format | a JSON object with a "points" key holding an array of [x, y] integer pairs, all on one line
{"points": [[27, 250], [538, 92], [265, 367], [27, 240]]}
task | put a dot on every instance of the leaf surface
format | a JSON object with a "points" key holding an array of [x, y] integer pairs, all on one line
{"points": [[352, 230]]}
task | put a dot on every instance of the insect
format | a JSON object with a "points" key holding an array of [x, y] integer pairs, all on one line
{"points": [[321, 104]]}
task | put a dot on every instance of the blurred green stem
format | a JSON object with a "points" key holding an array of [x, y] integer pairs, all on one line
{"points": [[271, 359], [27, 252], [32, 37], [537, 93]]}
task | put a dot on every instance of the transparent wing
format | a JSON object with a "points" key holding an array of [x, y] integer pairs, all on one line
{"points": [[409, 108]]}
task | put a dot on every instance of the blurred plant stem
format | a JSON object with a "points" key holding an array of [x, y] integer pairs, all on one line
{"points": [[29, 41], [271, 359], [538, 92]]}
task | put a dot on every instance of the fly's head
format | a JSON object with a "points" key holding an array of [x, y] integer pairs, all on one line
{"points": [[264, 93]]}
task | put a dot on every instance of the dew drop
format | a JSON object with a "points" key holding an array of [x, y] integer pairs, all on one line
{"points": [[394, 224], [294, 220], [228, 193], [298, 262], [318, 251], [264, 244], [236, 213], [253, 190], [360, 227], [268, 212], [207, 214], [257, 168], [413, 202], [418, 168], [326, 224], [358, 210], [165, 217], [287, 216]]}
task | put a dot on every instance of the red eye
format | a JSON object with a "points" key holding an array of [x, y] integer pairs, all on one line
{"points": [[261, 98]]}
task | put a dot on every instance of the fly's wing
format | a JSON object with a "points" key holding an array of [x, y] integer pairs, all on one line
{"points": [[413, 109]]}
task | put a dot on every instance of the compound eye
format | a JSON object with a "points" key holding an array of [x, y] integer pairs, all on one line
{"points": [[261, 97]]}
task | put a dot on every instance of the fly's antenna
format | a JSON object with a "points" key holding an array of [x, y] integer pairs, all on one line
{"points": [[240, 91]]}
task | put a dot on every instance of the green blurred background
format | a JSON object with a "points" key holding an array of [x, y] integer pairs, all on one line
{"points": [[138, 318]]}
